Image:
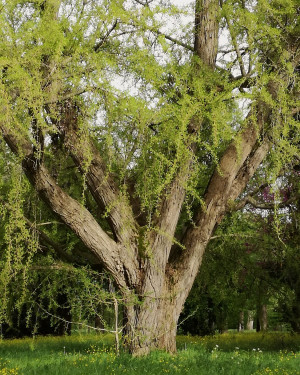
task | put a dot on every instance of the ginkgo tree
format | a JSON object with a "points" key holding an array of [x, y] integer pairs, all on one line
{"points": [[140, 110]]}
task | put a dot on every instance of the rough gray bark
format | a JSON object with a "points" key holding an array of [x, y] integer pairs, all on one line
{"points": [[118, 259], [206, 31], [101, 185]]}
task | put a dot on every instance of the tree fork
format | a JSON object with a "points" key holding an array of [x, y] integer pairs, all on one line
{"points": [[117, 259]]}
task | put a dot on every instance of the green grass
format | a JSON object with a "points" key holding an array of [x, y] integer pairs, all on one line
{"points": [[238, 354]]}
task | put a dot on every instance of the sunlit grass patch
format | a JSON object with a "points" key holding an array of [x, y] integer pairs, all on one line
{"points": [[5, 370], [227, 354], [276, 371], [271, 341]]}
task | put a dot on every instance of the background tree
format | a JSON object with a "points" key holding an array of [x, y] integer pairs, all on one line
{"points": [[159, 162], [250, 266]]}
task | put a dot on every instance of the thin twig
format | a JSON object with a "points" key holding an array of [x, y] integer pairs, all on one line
{"points": [[78, 323], [236, 47], [104, 38]]}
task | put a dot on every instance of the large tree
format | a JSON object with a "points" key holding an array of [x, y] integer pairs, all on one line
{"points": [[149, 114]]}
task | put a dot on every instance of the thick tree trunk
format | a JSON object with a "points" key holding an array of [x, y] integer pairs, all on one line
{"points": [[152, 325]]}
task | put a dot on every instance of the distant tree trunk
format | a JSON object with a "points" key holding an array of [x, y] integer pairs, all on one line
{"points": [[250, 320], [262, 318], [257, 324], [241, 321]]}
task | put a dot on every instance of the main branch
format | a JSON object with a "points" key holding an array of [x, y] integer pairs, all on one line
{"points": [[116, 258]]}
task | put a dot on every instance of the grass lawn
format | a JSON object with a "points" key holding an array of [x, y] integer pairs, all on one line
{"points": [[243, 354]]}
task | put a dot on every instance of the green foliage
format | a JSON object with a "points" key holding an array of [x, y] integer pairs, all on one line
{"points": [[19, 241], [63, 48]]}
